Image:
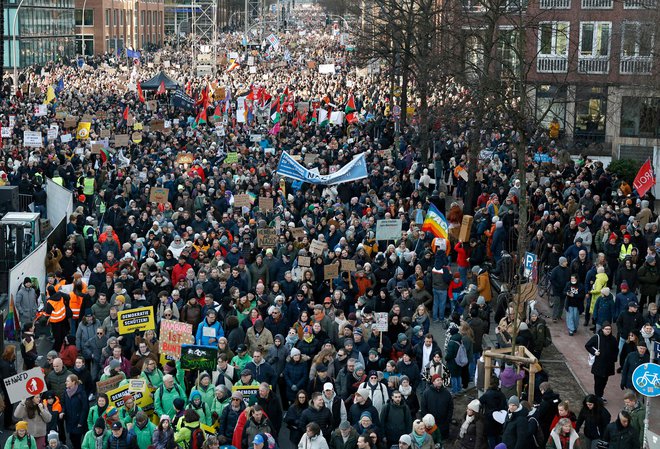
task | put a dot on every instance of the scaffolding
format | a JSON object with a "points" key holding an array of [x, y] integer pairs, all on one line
{"points": [[254, 15], [204, 36]]}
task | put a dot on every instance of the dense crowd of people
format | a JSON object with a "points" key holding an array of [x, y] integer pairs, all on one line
{"points": [[322, 372]]}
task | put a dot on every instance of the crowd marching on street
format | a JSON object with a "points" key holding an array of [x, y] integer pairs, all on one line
{"points": [[197, 219]]}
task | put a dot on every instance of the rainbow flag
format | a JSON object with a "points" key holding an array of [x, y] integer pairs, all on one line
{"points": [[436, 223], [11, 322]]}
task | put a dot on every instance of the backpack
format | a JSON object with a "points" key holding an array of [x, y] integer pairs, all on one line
{"points": [[29, 441], [197, 439], [537, 437], [547, 341], [446, 274], [461, 355]]}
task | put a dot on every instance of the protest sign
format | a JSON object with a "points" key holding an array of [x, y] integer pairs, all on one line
{"points": [[66, 138], [317, 247], [6, 132], [24, 385], [105, 134], [131, 320], [199, 357], [241, 200], [111, 383], [249, 393], [304, 261], [330, 271], [380, 321], [136, 388], [265, 203], [185, 158], [389, 229], [159, 195], [297, 233], [172, 335], [348, 265], [231, 158], [157, 125], [136, 137], [266, 237], [121, 140], [152, 105], [32, 139], [52, 134], [70, 122], [97, 148]]}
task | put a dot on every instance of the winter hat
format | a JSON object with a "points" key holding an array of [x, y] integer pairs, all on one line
{"points": [[164, 418], [295, 352], [562, 260], [52, 435], [405, 439], [365, 414], [364, 393], [649, 259], [22, 425], [328, 386], [475, 405], [605, 291], [401, 338], [500, 446], [623, 285], [481, 301], [453, 330], [514, 400], [258, 439], [114, 364], [99, 424], [344, 425], [523, 326], [435, 376], [428, 420]]}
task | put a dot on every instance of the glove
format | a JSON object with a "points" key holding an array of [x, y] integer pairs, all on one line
{"points": [[294, 388], [214, 416]]}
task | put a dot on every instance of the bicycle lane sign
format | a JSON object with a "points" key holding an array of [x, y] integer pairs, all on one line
{"points": [[646, 379]]}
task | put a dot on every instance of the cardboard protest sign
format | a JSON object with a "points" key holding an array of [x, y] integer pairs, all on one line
{"points": [[97, 148], [141, 319], [24, 385], [297, 233], [185, 158], [105, 134], [199, 357], [231, 158], [172, 335], [111, 383], [304, 261], [266, 237], [466, 228], [389, 229], [159, 195], [265, 203], [330, 271], [317, 247], [32, 139], [121, 140], [71, 122], [157, 125], [241, 200], [152, 105], [348, 265]]}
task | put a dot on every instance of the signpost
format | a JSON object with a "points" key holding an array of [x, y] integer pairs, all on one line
{"points": [[646, 379], [530, 265]]}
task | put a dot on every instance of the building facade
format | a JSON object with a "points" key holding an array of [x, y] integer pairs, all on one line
{"points": [[44, 31], [108, 25], [591, 64]]}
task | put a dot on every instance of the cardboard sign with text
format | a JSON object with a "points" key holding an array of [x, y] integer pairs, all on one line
{"points": [[317, 247], [348, 265], [466, 228], [121, 140], [159, 195], [330, 271], [173, 334], [105, 134], [199, 357], [304, 261], [111, 383], [241, 200], [266, 238], [265, 203]]}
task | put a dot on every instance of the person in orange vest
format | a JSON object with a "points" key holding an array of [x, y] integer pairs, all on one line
{"points": [[76, 299], [52, 403], [57, 312]]}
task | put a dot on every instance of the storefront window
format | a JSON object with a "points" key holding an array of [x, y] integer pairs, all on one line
{"points": [[640, 117], [551, 104], [590, 110]]}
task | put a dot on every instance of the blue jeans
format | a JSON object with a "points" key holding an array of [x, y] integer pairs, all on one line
{"points": [[439, 304], [456, 384], [572, 319], [463, 272], [473, 365]]}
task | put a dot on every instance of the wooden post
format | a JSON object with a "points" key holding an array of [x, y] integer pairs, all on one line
{"points": [[532, 383], [487, 370], [521, 353]]}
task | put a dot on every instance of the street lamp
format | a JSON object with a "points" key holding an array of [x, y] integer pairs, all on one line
{"points": [[82, 29], [342, 18], [13, 45]]}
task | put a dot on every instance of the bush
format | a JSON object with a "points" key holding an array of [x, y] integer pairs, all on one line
{"points": [[625, 169]]}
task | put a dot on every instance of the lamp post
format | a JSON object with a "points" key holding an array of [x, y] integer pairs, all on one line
{"points": [[82, 29], [13, 45], [342, 18]]}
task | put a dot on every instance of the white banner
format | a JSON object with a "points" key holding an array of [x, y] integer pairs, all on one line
{"points": [[327, 69], [389, 229], [5, 132], [32, 139]]}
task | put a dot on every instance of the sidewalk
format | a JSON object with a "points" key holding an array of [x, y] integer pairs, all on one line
{"points": [[572, 348]]}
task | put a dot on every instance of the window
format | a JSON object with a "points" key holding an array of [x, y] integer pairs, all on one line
{"points": [[107, 17], [88, 41], [590, 110], [640, 117], [507, 51], [121, 18], [551, 104], [141, 18], [553, 38], [115, 19], [595, 38], [637, 39], [89, 17]]}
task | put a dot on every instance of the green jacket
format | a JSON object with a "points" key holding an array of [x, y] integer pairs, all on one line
{"points": [[208, 395], [143, 436], [164, 399], [125, 417], [218, 406], [93, 415], [184, 432], [240, 362], [89, 441], [20, 443], [155, 378], [638, 413]]}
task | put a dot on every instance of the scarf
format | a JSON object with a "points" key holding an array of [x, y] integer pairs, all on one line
{"points": [[309, 339], [98, 441], [464, 427], [419, 439], [71, 391], [291, 340], [405, 391]]}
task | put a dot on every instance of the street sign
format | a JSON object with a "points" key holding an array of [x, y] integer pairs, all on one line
{"points": [[646, 379], [24, 385], [530, 264]]}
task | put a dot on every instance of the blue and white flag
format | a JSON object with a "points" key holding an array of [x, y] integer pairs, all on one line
{"points": [[354, 170]]}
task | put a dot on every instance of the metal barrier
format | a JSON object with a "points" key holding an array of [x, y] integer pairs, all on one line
{"points": [[24, 202]]}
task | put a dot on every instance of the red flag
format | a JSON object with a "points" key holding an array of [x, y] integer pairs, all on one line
{"points": [[161, 89], [126, 111], [645, 179], [140, 94]]}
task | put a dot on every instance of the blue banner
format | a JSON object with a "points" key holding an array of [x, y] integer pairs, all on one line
{"points": [[132, 53], [354, 170]]}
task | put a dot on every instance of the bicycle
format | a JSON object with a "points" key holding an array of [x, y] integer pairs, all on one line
{"points": [[648, 379], [544, 286]]}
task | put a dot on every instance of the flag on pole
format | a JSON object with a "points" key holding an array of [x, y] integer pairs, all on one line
{"points": [[126, 112], [50, 95], [201, 117], [161, 89], [645, 179], [349, 110], [104, 155], [139, 91], [233, 66], [217, 114], [60, 86], [11, 323], [436, 223]]}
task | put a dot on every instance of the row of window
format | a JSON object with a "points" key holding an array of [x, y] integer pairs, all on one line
{"points": [[119, 16], [33, 22], [637, 39], [111, 44], [38, 51]]}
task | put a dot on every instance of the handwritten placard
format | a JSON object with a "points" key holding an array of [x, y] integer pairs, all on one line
{"points": [[241, 200], [297, 233], [121, 140], [159, 195], [304, 261], [330, 271], [266, 238], [317, 247], [265, 203], [348, 265]]}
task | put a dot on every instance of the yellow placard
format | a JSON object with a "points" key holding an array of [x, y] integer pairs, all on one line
{"points": [[131, 320], [83, 130], [140, 392]]}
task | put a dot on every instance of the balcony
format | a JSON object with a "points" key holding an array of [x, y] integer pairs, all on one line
{"points": [[636, 65], [557, 4], [597, 4], [552, 64], [474, 6], [594, 64], [639, 4]]}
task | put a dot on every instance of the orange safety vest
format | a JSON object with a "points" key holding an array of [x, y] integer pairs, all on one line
{"points": [[57, 406], [59, 311], [75, 302], [60, 284]]}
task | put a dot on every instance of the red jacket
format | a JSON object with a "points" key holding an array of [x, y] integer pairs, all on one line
{"points": [[179, 272], [461, 255]]}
